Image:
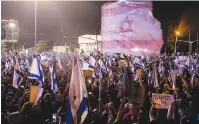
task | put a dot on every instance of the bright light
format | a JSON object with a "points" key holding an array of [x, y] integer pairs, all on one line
{"points": [[139, 49], [136, 49], [12, 24], [177, 33]]}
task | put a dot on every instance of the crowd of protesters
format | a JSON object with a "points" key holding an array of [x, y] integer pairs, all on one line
{"points": [[113, 106]]}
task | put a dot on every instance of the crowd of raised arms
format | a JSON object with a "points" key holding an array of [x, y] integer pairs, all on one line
{"points": [[130, 89]]}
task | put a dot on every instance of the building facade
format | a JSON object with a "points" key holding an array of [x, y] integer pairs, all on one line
{"points": [[89, 43], [61, 49]]}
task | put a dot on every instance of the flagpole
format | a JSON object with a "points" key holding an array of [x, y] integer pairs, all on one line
{"points": [[99, 70]]}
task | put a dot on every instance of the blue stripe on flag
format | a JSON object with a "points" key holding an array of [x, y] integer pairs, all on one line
{"points": [[40, 72], [33, 76], [69, 115], [19, 79], [82, 108], [90, 66], [19, 73], [54, 84], [97, 72]]}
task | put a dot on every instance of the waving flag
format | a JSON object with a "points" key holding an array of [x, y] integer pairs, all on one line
{"points": [[161, 69], [129, 27], [139, 63], [12, 61], [77, 107], [87, 68], [36, 71], [190, 65], [180, 59], [103, 65], [25, 64], [97, 72], [7, 67], [92, 61], [18, 75], [60, 65], [45, 57], [54, 86]]}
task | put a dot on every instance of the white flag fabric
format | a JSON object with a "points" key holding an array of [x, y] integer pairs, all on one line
{"points": [[36, 71], [60, 65], [173, 78], [18, 75], [7, 67], [92, 61], [78, 106], [130, 28], [54, 86]]}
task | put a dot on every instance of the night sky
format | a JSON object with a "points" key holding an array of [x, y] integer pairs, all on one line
{"points": [[85, 15]]}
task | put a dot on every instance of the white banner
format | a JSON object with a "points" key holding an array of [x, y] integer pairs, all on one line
{"points": [[162, 101]]}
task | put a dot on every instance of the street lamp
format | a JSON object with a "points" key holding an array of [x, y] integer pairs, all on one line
{"points": [[12, 25], [177, 33]]}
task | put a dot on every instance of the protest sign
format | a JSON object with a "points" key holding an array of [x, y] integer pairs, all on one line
{"points": [[162, 101], [88, 73], [35, 94]]}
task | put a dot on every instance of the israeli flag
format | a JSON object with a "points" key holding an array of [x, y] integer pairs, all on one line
{"points": [[92, 61], [161, 69], [97, 72], [77, 107], [54, 86], [36, 71], [141, 65], [180, 59], [60, 65], [25, 64], [86, 66], [12, 61], [7, 67], [103, 65], [188, 64], [18, 74]]}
